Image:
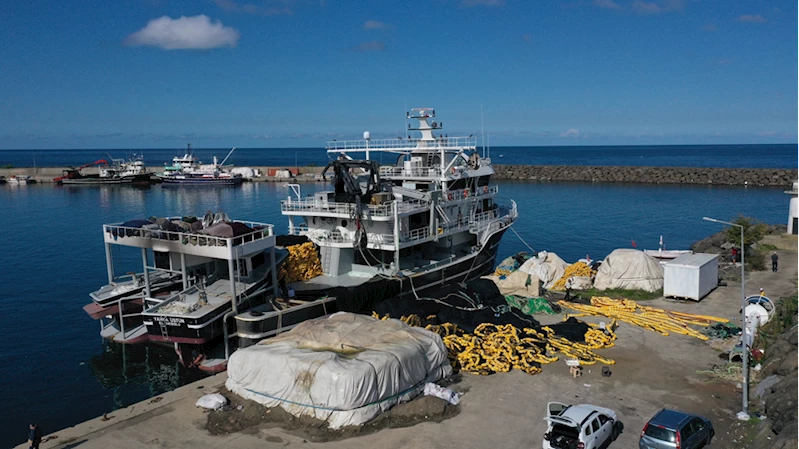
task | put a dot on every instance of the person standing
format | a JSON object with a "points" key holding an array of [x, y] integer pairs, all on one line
{"points": [[774, 259], [34, 436], [762, 292]]}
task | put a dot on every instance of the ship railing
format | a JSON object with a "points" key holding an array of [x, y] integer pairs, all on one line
{"points": [[335, 236], [454, 195], [416, 234], [416, 172], [153, 232], [313, 205], [410, 145]]}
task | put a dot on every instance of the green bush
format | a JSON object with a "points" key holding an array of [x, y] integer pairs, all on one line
{"points": [[756, 259], [754, 230]]}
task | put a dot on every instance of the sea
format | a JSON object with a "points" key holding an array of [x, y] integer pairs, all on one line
{"points": [[56, 370]]}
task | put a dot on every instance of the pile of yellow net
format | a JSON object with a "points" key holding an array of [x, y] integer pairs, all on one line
{"points": [[575, 269], [495, 348], [657, 320], [302, 263]]}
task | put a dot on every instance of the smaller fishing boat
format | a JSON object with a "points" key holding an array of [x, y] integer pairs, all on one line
{"points": [[663, 255], [21, 179], [118, 171], [188, 170]]}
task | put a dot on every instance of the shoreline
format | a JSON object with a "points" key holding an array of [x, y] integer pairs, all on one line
{"points": [[759, 177]]}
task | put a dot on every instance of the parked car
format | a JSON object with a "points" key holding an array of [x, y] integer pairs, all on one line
{"points": [[580, 426], [670, 429]]}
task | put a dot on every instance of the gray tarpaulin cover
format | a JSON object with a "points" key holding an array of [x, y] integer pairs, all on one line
{"points": [[344, 369]]}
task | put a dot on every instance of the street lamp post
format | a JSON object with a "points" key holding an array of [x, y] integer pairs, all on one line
{"points": [[744, 348]]}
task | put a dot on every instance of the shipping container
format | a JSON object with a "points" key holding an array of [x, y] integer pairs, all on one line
{"points": [[691, 276]]}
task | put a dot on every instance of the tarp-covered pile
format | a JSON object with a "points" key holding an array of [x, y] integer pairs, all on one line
{"points": [[629, 269], [547, 266], [344, 369]]}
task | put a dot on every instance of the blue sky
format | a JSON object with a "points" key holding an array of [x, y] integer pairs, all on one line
{"points": [[295, 73]]}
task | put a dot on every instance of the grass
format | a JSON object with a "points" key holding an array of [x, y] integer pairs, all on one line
{"points": [[767, 247], [784, 318], [619, 293]]}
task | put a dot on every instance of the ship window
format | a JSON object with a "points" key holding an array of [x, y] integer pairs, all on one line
{"points": [[344, 223], [258, 260]]}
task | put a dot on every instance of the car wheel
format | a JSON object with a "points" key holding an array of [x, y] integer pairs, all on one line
{"points": [[615, 433], [708, 440]]}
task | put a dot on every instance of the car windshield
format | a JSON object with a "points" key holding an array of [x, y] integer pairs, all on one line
{"points": [[659, 433]]}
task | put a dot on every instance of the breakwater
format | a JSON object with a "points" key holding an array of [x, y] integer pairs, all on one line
{"points": [[649, 175], [548, 173]]}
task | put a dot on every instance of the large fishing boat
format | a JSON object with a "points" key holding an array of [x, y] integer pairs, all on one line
{"points": [[188, 170], [428, 218]]}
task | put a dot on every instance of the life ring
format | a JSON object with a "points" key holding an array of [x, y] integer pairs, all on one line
{"points": [[485, 189], [449, 196], [466, 193], [453, 170]]}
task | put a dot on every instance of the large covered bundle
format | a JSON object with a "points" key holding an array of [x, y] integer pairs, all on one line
{"points": [[547, 266], [344, 369], [629, 269], [517, 283]]}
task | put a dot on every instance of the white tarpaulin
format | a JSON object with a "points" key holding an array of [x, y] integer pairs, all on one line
{"points": [[547, 266], [629, 269], [344, 369]]}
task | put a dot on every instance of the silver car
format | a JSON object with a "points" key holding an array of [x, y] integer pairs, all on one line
{"points": [[670, 429]]}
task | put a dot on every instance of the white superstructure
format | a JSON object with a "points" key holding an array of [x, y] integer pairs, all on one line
{"points": [[430, 208]]}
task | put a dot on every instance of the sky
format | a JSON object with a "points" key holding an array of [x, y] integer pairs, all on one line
{"points": [[297, 73]]}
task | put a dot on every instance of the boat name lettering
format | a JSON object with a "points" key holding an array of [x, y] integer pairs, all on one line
{"points": [[169, 320]]}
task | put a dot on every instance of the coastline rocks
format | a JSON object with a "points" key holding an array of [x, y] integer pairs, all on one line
{"points": [[650, 175]]}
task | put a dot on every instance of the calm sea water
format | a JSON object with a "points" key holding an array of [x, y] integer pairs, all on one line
{"points": [[744, 156], [55, 369]]}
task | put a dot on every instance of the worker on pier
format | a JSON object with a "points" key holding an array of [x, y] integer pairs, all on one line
{"points": [[34, 436]]}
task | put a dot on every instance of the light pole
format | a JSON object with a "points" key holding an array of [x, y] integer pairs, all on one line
{"points": [[744, 415]]}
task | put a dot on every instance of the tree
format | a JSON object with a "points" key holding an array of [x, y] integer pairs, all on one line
{"points": [[754, 230]]}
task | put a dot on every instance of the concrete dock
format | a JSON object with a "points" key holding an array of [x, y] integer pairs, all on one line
{"points": [[501, 410]]}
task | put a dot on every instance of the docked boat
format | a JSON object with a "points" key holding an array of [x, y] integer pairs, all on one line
{"points": [[118, 171], [20, 179], [196, 275], [429, 219], [188, 170], [663, 255]]}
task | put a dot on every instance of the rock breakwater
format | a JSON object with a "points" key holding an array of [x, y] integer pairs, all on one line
{"points": [[649, 175]]}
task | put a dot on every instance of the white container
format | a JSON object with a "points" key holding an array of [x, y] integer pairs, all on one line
{"points": [[691, 276]]}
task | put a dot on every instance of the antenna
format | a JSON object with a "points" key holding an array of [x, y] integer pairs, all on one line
{"points": [[482, 132]]}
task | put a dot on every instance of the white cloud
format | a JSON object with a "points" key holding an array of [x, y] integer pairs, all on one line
{"points": [[607, 4], [656, 7], [752, 18], [185, 33], [375, 25], [646, 7], [571, 132]]}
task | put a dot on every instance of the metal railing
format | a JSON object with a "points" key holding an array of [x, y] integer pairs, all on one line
{"points": [[454, 195], [416, 172], [382, 210], [445, 143], [154, 232]]}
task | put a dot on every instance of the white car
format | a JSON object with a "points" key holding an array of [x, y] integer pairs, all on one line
{"points": [[580, 426]]}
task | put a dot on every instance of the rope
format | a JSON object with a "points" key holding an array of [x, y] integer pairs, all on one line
{"points": [[520, 238], [335, 409]]}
